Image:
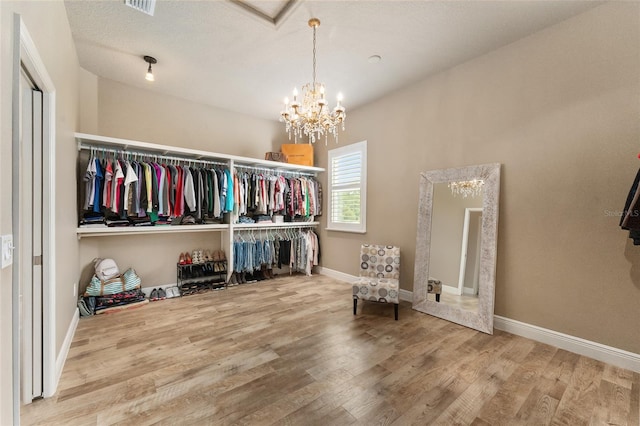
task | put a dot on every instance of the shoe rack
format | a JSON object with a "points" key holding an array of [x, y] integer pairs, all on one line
{"points": [[203, 270]]}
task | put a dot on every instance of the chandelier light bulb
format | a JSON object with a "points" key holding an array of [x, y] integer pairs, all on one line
{"points": [[149, 76], [150, 60]]}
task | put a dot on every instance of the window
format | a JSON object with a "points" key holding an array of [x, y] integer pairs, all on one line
{"points": [[348, 188]]}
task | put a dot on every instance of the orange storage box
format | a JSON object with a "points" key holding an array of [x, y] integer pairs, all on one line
{"points": [[298, 153]]}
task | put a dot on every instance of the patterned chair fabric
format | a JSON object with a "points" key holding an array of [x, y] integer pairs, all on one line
{"points": [[379, 274]]}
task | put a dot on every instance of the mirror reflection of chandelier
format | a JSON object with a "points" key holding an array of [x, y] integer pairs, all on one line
{"points": [[312, 117], [467, 188]]}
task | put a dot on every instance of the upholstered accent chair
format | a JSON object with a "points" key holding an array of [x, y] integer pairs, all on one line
{"points": [[379, 279]]}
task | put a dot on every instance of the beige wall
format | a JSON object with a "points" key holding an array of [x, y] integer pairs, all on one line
{"points": [[48, 26], [559, 110], [132, 113], [88, 87]]}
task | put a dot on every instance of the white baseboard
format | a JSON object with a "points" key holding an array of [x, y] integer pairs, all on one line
{"points": [[614, 356], [405, 295], [336, 274], [66, 345], [604, 353], [147, 290]]}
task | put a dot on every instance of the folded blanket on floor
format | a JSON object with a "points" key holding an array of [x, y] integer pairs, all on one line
{"points": [[119, 298], [122, 307]]}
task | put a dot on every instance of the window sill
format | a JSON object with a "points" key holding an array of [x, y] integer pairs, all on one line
{"points": [[353, 231]]}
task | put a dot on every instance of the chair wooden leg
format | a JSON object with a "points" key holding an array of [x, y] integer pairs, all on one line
{"points": [[395, 308], [355, 305]]}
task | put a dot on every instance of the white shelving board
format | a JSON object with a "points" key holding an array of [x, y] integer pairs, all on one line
{"points": [[187, 153], [158, 229]]}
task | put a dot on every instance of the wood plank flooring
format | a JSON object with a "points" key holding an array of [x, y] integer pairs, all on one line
{"points": [[289, 351]]}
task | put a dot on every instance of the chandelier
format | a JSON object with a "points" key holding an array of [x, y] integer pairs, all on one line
{"points": [[311, 116], [467, 188]]}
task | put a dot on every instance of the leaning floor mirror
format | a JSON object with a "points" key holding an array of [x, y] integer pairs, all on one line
{"points": [[456, 245]]}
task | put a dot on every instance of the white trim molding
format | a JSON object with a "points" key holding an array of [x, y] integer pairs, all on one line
{"points": [[64, 351], [405, 295], [598, 351], [336, 274], [344, 164], [614, 356]]}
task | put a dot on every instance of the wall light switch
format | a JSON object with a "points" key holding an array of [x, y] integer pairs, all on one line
{"points": [[7, 250]]}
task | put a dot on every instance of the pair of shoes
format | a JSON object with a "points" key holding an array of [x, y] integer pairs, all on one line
{"points": [[218, 256], [268, 273], [210, 268], [157, 294], [173, 292], [207, 256], [197, 256], [184, 259]]}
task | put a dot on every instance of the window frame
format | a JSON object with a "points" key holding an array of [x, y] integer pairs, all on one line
{"points": [[360, 227]]}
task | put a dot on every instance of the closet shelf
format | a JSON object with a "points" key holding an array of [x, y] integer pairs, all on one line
{"points": [[158, 229], [152, 148], [165, 229]]}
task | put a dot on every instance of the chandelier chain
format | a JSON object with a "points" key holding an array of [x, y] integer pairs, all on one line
{"points": [[314, 56]]}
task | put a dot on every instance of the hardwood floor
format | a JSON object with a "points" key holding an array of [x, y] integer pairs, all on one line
{"points": [[289, 351]]}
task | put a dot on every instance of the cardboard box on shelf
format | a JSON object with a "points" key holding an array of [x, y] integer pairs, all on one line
{"points": [[300, 154]]}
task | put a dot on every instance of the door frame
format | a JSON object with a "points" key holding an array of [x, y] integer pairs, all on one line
{"points": [[465, 244], [26, 53]]}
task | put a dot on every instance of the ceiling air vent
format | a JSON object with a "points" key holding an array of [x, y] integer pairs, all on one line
{"points": [[145, 6]]}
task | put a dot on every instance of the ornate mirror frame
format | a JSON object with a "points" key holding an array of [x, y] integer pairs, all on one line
{"points": [[481, 320]]}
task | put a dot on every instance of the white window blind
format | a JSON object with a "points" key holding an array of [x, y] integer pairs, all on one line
{"points": [[347, 186]]}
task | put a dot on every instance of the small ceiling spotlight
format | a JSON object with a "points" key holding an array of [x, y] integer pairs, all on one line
{"points": [[150, 60]]}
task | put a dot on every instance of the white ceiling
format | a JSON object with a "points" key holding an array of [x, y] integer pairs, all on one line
{"points": [[220, 53]]}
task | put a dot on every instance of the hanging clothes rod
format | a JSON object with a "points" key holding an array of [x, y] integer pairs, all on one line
{"points": [[146, 154], [274, 171], [277, 228]]}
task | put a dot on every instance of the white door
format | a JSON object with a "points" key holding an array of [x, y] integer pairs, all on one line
{"points": [[30, 240]]}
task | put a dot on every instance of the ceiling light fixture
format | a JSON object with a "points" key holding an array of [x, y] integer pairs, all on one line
{"points": [[467, 188], [150, 60], [312, 116]]}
